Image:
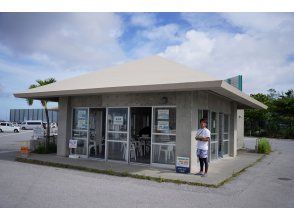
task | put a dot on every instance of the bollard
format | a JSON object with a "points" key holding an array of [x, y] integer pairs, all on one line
{"points": [[24, 149], [256, 145]]}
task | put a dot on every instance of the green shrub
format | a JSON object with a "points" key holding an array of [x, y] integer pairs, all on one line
{"points": [[52, 148], [40, 149], [264, 146]]}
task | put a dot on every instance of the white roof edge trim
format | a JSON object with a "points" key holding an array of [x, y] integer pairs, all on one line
{"points": [[187, 86], [243, 95]]}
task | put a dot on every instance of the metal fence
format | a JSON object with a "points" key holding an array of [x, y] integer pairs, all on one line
{"points": [[20, 115]]}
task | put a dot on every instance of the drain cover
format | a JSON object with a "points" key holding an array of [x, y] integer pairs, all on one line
{"points": [[284, 178]]}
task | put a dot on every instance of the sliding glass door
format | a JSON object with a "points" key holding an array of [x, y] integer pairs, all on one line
{"points": [[214, 138], [80, 130], [223, 134], [117, 133], [163, 135], [226, 135]]}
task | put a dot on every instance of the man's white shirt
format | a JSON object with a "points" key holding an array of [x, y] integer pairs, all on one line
{"points": [[205, 133]]}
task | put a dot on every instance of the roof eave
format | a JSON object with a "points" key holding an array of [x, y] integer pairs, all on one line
{"points": [[242, 97], [138, 88]]}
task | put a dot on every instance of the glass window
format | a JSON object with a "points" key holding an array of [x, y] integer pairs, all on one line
{"points": [[169, 139], [117, 133], [80, 130], [164, 135], [213, 122], [226, 123], [226, 135], [164, 120], [117, 136], [80, 119], [117, 150], [164, 154], [226, 147], [81, 147], [118, 119], [213, 148]]}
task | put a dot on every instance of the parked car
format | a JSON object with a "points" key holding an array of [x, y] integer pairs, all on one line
{"points": [[15, 124], [8, 127], [30, 125]]}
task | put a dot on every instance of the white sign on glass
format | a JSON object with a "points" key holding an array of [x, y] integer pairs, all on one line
{"points": [[118, 120], [163, 114], [82, 124], [163, 125], [73, 143]]}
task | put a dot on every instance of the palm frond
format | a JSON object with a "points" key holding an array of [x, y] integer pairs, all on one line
{"points": [[46, 81], [33, 86], [30, 101], [40, 82]]}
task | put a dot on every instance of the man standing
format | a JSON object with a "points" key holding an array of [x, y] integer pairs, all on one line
{"points": [[202, 137]]}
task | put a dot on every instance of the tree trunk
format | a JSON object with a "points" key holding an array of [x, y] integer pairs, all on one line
{"points": [[48, 129]]}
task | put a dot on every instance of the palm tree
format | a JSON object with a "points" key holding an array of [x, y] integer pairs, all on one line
{"points": [[30, 101]]}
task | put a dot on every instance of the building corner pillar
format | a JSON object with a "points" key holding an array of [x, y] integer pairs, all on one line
{"points": [[64, 126], [233, 130]]}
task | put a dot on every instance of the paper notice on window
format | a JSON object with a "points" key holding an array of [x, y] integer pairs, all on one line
{"points": [[118, 120], [82, 124], [163, 114], [73, 143], [163, 125]]}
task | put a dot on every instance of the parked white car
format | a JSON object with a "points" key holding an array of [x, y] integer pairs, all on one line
{"points": [[8, 127], [30, 125]]}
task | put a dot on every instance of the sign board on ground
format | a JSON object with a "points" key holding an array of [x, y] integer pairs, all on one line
{"points": [[183, 165]]}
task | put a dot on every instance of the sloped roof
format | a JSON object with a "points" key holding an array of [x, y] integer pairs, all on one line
{"points": [[150, 74]]}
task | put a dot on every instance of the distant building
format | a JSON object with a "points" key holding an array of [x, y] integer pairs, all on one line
{"points": [[20, 115]]}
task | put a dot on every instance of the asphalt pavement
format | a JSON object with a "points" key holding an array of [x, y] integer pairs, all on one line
{"points": [[270, 183], [11, 142]]}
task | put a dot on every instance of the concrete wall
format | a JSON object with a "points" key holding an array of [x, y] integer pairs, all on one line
{"points": [[240, 128], [206, 101], [187, 104], [233, 131], [64, 126]]}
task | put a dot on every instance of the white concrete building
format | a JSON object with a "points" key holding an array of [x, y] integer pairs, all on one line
{"points": [[145, 111]]}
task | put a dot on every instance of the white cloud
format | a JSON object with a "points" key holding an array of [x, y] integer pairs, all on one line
{"points": [[143, 19], [76, 41], [170, 32], [259, 54]]}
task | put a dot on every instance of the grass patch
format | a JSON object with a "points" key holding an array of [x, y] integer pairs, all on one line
{"points": [[264, 146]]}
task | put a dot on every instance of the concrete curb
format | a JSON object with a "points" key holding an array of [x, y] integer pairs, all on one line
{"points": [[137, 176]]}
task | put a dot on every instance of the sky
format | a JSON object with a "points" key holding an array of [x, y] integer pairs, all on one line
{"points": [[33, 46]]}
